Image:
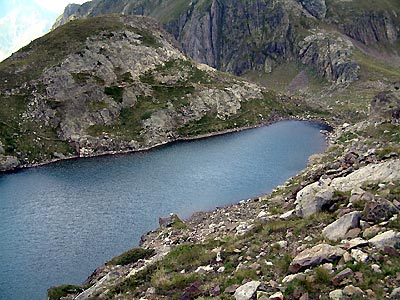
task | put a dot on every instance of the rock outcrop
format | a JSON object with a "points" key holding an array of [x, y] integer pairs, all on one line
{"points": [[237, 36]]}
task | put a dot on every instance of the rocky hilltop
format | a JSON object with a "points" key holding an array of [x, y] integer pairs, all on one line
{"points": [[237, 36], [116, 83]]}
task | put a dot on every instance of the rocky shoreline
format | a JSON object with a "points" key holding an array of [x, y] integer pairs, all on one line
{"points": [[17, 166], [326, 231]]}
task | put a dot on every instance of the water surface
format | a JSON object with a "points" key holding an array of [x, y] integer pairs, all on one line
{"points": [[61, 221]]}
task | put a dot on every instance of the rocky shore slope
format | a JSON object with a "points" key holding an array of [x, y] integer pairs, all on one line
{"points": [[331, 232]]}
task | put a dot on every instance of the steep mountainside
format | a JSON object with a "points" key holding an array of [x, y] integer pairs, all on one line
{"points": [[238, 35], [115, 83]]}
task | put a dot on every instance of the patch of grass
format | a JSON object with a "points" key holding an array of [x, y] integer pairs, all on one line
{"points": [[131, 256], [168, 283], [187, 257], [116, 92], [84, 77], [322, 276], [55, 293]]}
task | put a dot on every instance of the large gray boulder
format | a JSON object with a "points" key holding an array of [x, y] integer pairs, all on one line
{"points": [[374, 173], [318, 195], [389, 238], [338, 229], [247, 290], [313, 198], [315, 256]]}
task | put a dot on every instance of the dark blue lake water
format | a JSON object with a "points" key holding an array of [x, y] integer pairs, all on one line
{"points": [[61, 221]]}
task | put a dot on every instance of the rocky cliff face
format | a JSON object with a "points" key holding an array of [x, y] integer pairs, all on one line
{"points": [[115, 84], [237, 36]]}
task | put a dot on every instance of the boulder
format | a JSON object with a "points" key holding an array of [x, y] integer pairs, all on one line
{"points": [[313, 198], [8, 163], [389, 238], [338, 229], [374, 173], [315, 256], [247, 290], [379, 210]]}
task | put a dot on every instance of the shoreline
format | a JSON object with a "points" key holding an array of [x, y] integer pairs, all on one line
{"points": [[321, 122]]}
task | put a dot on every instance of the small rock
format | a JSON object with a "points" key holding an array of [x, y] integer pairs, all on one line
{"points": [[395, 294], [376, 268], [351, 290], [262, 215], [371, 232], [354, 243], [346, 273], [290, 278], [353, 233], [328, 267], [221, 270], [204, 269], [336, 295], [231, 289], [247, 290], [339, 228], [359, 256], [347, 257], [389, 238], [288, 215], [262, 295], [308, 238], [281, 244], [215, 291], [276, 296]]}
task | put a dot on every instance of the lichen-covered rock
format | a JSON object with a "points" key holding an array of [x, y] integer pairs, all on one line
{"points": [[314, 256], [338, 229], [379, 210]]}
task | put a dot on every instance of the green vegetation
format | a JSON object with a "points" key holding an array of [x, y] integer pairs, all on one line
{"points": [[131, 256], [56, 293], [116, 92]]}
